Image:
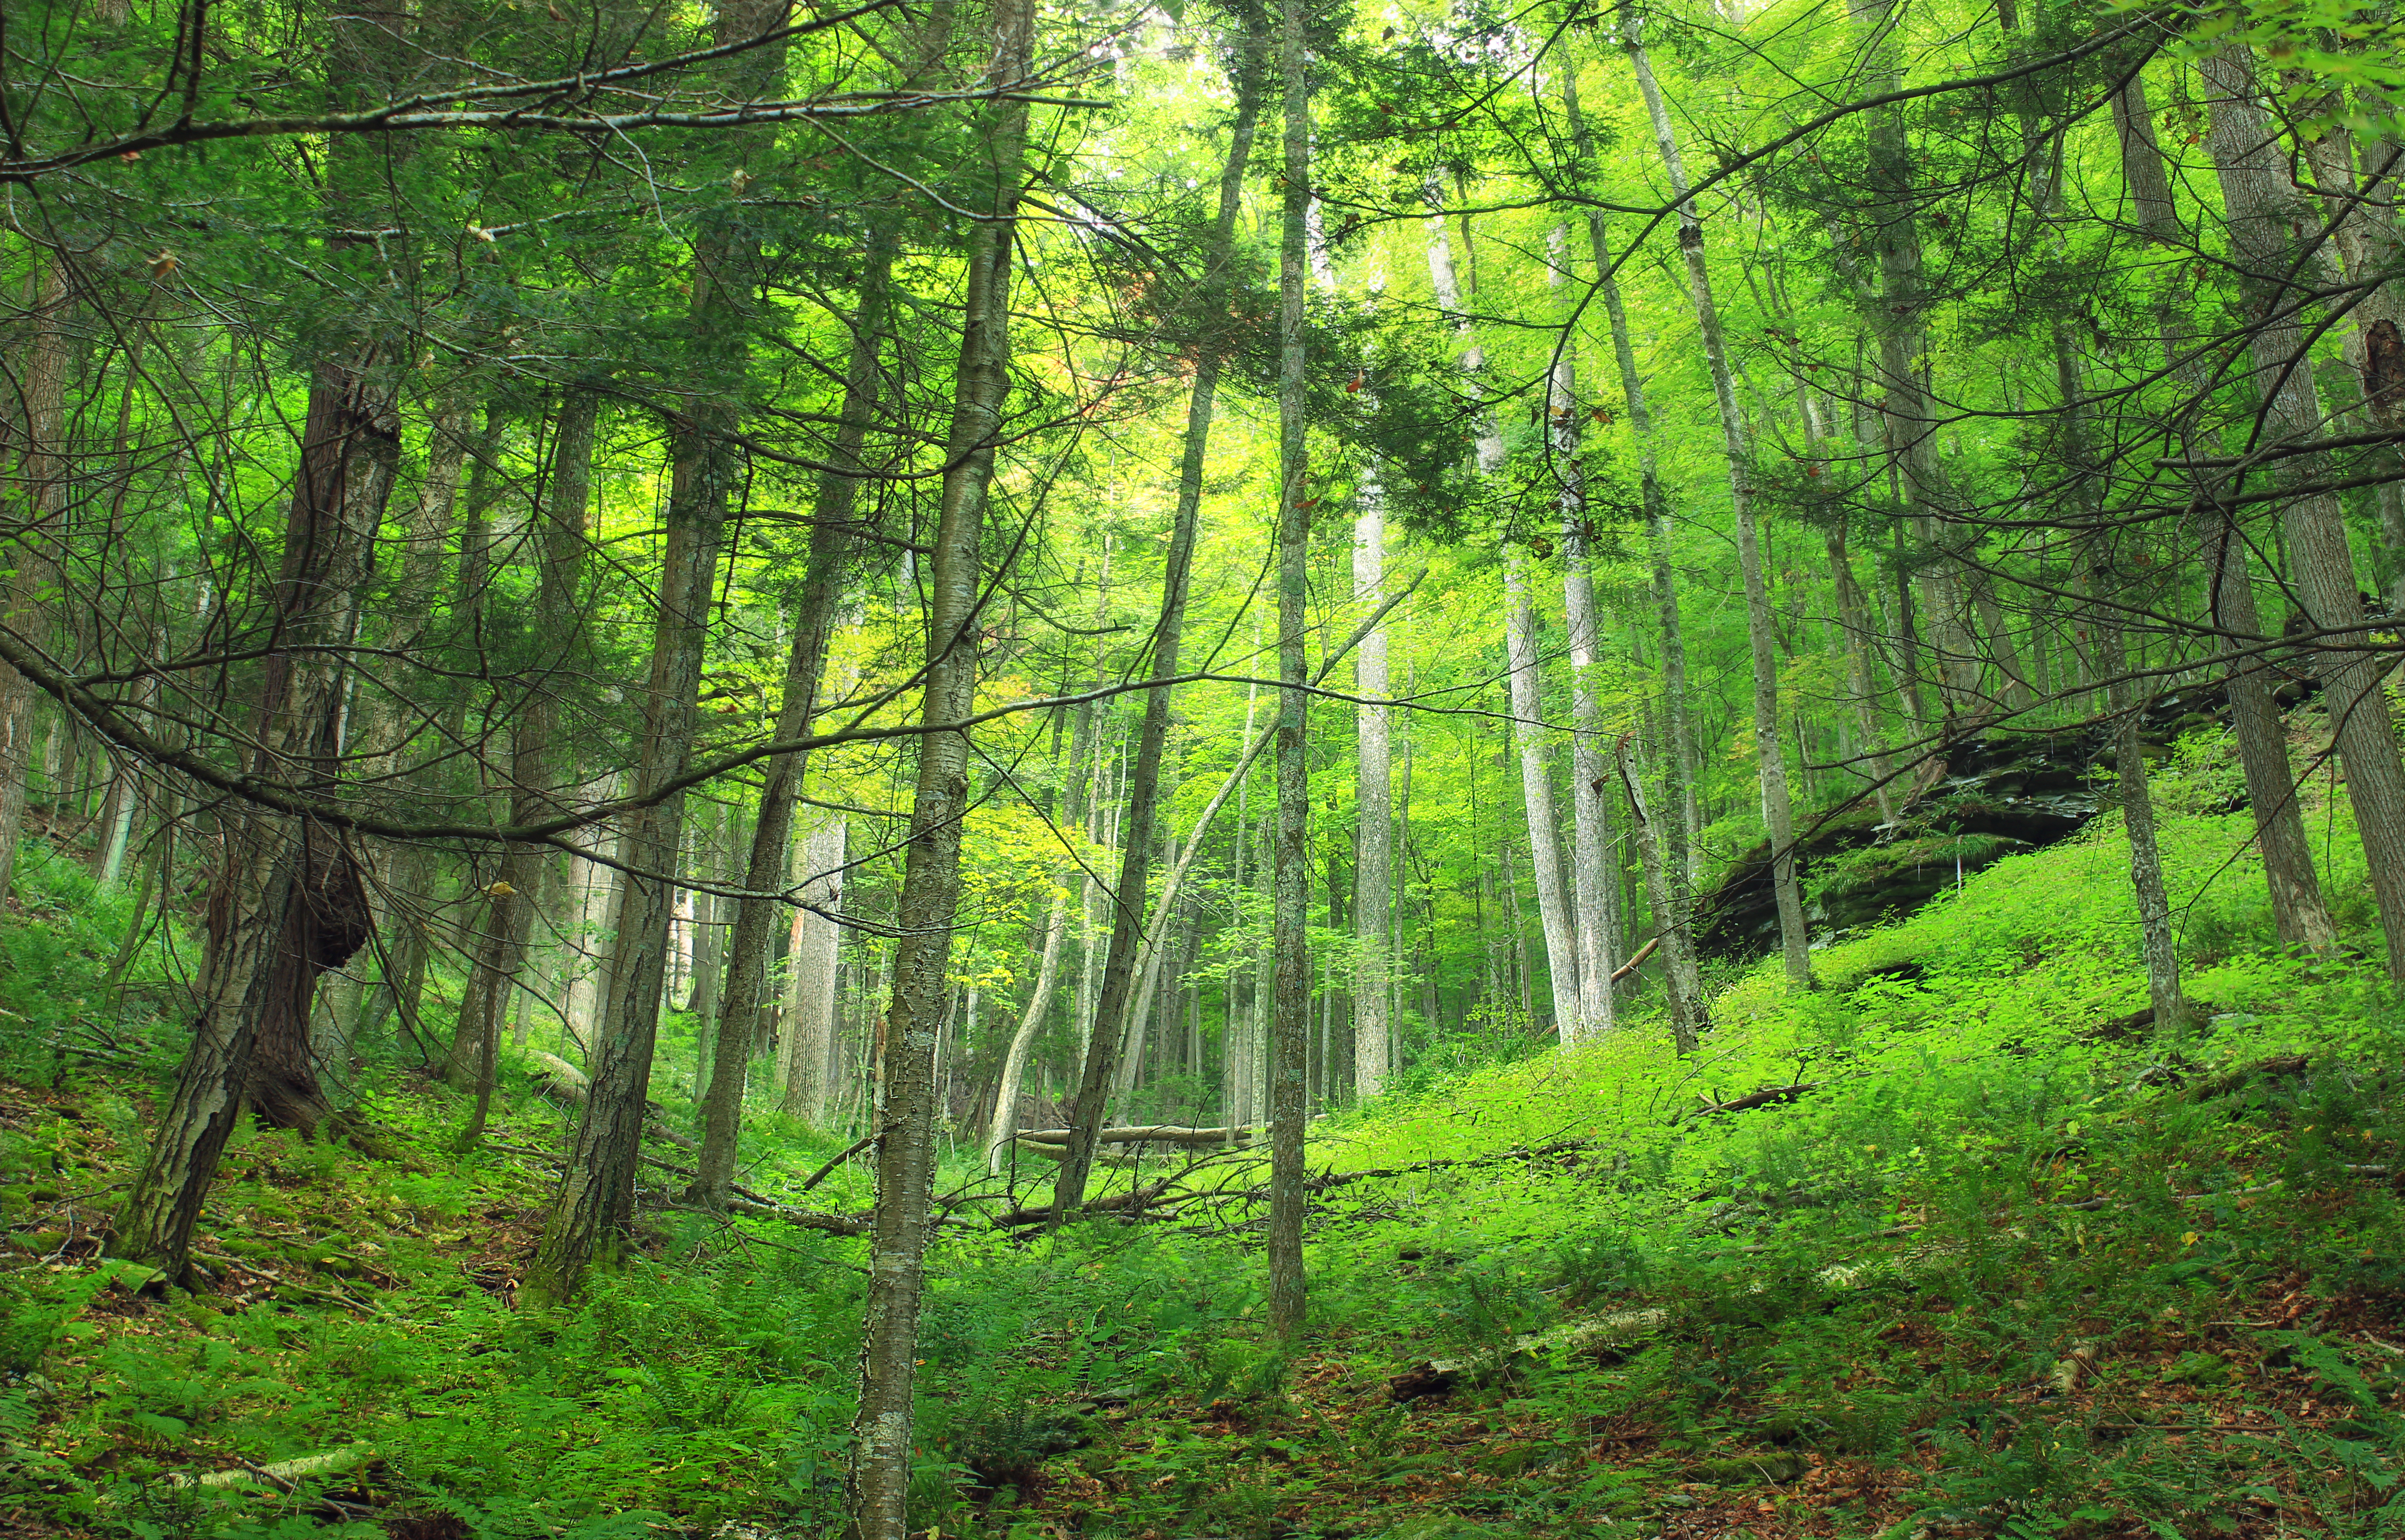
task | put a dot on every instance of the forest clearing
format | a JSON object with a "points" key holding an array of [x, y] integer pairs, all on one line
{"points": [[1437, 770]]}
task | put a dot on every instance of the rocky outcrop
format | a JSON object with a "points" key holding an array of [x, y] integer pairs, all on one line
{"points": [[1980, 796]]}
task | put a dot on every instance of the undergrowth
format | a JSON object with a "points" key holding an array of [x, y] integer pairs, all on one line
{"points": [[1999, 1256]]}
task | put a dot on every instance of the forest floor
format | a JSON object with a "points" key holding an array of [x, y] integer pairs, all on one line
{"points": [[1980, 1252]]}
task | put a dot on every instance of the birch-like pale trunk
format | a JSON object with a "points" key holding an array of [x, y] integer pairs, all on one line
{"points": [[1684, 1027], [1778, 809], [1554, 909], [1594, 884], [1373, 878], [1004, 1126]]}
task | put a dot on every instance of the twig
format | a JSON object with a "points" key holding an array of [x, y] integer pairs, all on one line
{"points": [[820, 1175]]}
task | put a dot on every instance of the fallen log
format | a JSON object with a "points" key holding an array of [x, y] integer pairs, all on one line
{"points": [[1150, 1134], [805, 1219], [2230, 1080], [1061, 1152], [1116, 1203], [1758, 1099], [743, 1200], [1443, 1376], [284, 1473]]}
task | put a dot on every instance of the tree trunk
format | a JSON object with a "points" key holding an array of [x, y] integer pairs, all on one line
{"points": [[1520, 658], [1778, 811], [1594, 884], [1127, 921], [534, 791], [2254, 191], [2298, 910], [1004, 1126], [1553, 911], [756, 912], [1685, 1019], [288, 902], [879, 1485], [1374, 879], [1678, 829], [41, 478], [1896, 318], [806, 1046], [596, 1197], [1290, 1016]]}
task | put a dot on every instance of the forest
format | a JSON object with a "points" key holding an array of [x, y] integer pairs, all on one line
{"points": [[1435, 770]]}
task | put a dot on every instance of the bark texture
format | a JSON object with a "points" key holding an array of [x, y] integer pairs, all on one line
{"points": [[2259, 204], [39, 479], [1291, 1012], [288, 902], [879, 1488]]}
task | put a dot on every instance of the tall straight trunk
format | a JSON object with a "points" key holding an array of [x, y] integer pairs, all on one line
{"points": [[709, 913], [1243, 1035], [597, 1195], [2256, 199], [805, 1045], [1011, 1085], [1554, 913], [1290, 1015], [772, 834], [1373, 873], [878, 1489], [1854, 621], [1681, 828], [40, 477], [593, 884], [2109, 598], [385, 720], [1112, 1016], [455, 447], [2155, 940], [1594, 886], [2298, 912], [1151, 948], [596, 1200], [288, 901], [1526, 687], [1778, 810]]}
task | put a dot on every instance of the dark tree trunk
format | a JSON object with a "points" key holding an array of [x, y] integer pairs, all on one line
{"points": [[288, 902]]}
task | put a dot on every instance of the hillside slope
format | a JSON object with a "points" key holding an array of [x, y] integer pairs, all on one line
{"points": [[1957, 1243]]}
